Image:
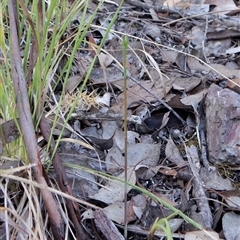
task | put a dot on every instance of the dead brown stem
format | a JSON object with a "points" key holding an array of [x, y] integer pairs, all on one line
{"points": [[27, 128], [73, 208]]}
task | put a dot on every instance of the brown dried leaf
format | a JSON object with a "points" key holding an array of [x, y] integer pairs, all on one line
{"points": [[139, 153], [234, 84], [165, 119], [212, 180], [192, 100], [186, 84], [168, 172], [139, 204], [232, 198], [116, 212], [173, 154], [104, 59], [114, 190], [72, 83]]}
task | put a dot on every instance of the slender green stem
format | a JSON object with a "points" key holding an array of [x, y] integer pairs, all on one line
{"points": [[125, 46]]}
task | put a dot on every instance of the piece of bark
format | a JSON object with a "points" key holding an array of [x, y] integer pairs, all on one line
{"points": [[106, 226], [198, 191], [202, 135], [223, 125]]}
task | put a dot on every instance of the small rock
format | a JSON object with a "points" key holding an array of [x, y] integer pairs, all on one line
{"points": [[223, 125]]}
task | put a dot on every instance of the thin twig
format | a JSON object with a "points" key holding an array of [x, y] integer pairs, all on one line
{"points": [[202, 129], [109, 116], [106, 226], [198, 191]]}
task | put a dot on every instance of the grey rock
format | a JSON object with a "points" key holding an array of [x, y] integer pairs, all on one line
{"points": [[223, 125]]}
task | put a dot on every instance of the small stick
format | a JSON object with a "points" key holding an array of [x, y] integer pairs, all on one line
{"points": [[109, 116], [106, 226], [198, 191]]}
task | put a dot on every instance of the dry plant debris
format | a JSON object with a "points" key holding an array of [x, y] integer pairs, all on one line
{"points": [[182, 142]]}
